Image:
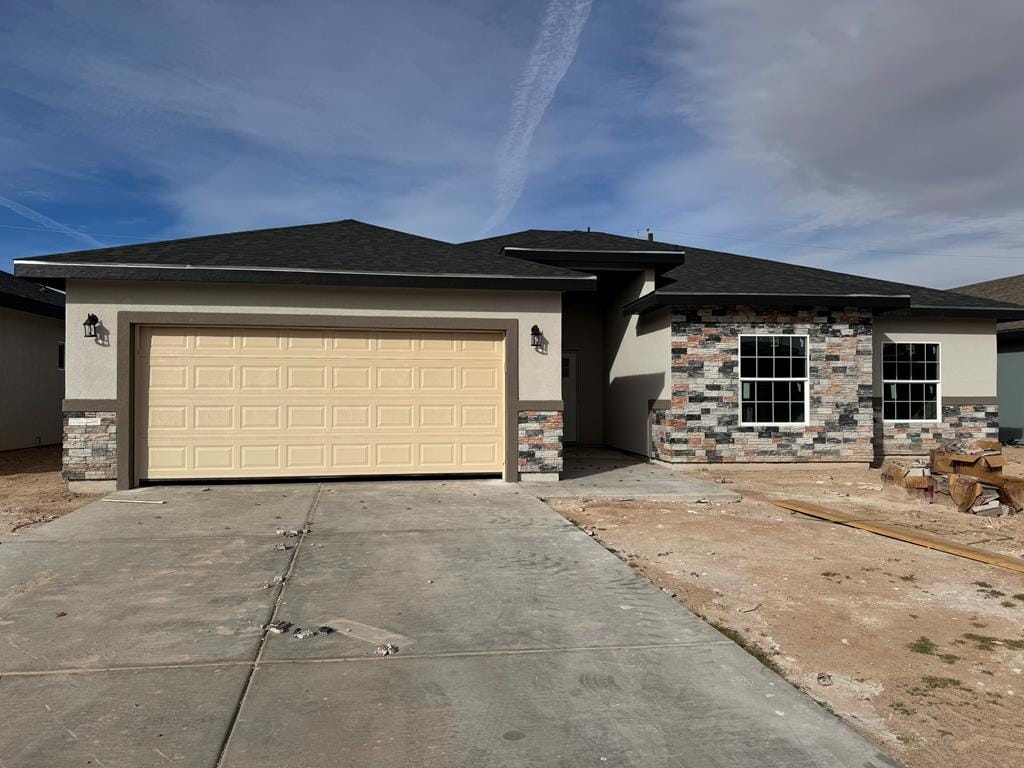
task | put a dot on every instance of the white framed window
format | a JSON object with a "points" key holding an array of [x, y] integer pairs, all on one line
{"points": [[911, 381], [773, 380], [60, 355]]}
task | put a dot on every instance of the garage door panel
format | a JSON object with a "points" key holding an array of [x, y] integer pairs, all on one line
{"points": [[239, 402]]}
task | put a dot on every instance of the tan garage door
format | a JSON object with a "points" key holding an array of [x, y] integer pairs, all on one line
{"points": [[279, 402]]}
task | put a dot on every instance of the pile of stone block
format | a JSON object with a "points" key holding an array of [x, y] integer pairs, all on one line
{"points": [[967, 475], [970, 475]]}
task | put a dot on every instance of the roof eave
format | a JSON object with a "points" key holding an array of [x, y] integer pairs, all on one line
{"points": [[55, 274], [22, 304], [662, 261], [656, 299], [994, 313]]}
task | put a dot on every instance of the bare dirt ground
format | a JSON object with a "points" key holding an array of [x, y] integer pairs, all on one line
{"points": [[924, 651], [32, 491]]}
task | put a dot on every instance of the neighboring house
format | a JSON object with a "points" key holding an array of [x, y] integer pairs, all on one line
{"points": [[1010, 339], [349, 349], [31, 363]]}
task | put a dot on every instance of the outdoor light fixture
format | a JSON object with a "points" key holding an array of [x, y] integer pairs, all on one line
{"points": [[536, 338], [90, 326]]}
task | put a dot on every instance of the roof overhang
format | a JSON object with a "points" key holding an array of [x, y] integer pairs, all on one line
{"points": [[23, 304], [54, 273], [656, 299], [994, 313], [661, 261]]}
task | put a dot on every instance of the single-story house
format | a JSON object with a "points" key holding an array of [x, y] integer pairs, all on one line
{"points": [[31, 363], [350, 349], [1010, 342]]}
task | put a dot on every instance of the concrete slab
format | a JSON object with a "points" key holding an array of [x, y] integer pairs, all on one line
{"points": [[464, 591], [429, 506], [126, 719], [694, 707], [133, 602], [613, 475], [220, 510]]}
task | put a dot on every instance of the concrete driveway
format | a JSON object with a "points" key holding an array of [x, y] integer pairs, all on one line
{"points": [[131, 637]]}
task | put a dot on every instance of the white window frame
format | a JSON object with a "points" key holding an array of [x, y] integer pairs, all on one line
{"points": [[937, 383], [805, 379], [62, 351]]}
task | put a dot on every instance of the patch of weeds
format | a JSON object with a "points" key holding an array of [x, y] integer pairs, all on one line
{"points": [[899, 707], [989, 643], [923, 645], [945, 733], [1008, 604], [987, 589], [831, 574], [752, 648], [909, 577], [933, 683], [949, 658], [978, 625], [988, 672], [1019, 597]]}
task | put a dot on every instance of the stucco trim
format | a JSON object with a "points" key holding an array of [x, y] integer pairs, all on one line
{"points": [[541, 405], [128, 323], [108, 404]]}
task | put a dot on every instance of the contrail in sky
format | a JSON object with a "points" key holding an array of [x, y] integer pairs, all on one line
{"points": [[46, 221], [552, 54]]}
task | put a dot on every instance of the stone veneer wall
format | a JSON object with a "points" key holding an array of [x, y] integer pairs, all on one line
{"points": [[702, 424], [959, 422], [90, 445], [540, 442]]}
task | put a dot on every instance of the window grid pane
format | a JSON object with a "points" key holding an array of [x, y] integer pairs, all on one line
{"points": [[910, 375], [773, 371]]}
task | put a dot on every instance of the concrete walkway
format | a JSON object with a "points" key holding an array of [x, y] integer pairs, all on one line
{"points": [[602, 473], [130, 637]]}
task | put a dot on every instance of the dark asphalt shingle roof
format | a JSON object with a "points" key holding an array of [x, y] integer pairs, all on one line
{"points": [[575, 240], [720, 273], [347, 246], [18, 293], [1004, 289], [353, 252]]}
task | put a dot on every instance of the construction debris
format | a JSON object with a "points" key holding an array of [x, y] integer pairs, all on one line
{"points": [[966, 475], [302, 634], [824, 678], [971, 475], [282, 547], [901, 533], [278, 627], [386, 649], [326, 630]]}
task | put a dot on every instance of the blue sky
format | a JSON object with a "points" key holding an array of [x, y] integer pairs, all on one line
{"points": [[879, 138]]}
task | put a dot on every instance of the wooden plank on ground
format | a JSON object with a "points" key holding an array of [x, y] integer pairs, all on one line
{"points": [[910, 535]]}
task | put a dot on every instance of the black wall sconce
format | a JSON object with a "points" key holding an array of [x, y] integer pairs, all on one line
{"points": [[536, 338], [90, 326]]}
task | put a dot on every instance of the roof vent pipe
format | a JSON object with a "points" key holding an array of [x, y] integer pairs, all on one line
{"points": [[650, 235]]}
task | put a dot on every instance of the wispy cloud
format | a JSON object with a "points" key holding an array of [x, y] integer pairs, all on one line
{"points": [[45, 221], [549, 61]]}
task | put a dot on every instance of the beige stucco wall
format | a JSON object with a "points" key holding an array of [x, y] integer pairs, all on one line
{"points": [[31, 386], [92, 368], [638, 351], [967, 357]]}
